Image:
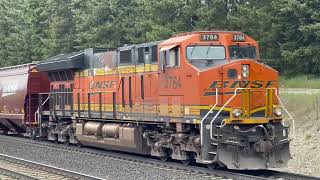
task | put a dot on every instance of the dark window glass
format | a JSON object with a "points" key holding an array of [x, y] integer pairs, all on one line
{"points": [[140, 55], [242, 52], [125, 56], [142, 87], [154, 54], [57, 76], [123, 92], [147, 50], [69, 75], [72, 75], [51, 77], [63, 75], [163, 57]]}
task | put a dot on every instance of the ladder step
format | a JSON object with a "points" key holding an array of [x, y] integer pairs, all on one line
{"points": [[215, 144], [212, 153]]}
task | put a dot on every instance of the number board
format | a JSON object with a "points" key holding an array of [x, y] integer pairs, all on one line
{"points": [[209, 37], [239, 37]]}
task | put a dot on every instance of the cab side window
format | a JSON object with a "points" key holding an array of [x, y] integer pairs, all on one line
{"points": [[171, 58], [147, 55]]}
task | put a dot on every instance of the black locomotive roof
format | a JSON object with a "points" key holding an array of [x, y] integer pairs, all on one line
{"points": [[72, 60]]}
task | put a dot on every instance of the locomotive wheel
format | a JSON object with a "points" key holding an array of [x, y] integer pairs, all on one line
{"points": [[67, 143], [213, 166], [4, 132], [186, 162], [33, 134], [165, 158]]}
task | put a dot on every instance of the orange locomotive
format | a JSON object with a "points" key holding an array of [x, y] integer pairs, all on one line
{"points": [[200, 96]]}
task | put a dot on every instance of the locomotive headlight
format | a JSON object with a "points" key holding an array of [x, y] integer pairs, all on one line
{"points": [[245, 70], [237, 112], [277, 111]]}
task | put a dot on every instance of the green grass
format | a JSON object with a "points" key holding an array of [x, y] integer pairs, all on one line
{"points": [[301, 81], [303, 107]]}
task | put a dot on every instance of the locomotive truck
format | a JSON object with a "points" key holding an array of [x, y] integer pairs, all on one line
{"points": [[198, 96]]}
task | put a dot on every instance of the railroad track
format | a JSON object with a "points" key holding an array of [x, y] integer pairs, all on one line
{"points": [[16, 168], [215, 174]]}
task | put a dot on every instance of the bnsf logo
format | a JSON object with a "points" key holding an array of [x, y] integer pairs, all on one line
{"points": [[102, 84], [242, 84], [256, 84]]}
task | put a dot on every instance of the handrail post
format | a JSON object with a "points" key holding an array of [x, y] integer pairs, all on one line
{"points": [[100, 104], [290, 117], [214, 118], [71, 103], [269, 104], [202, 120], [114, 104], [63, 103], [89, 105], [39, 113], [79, 104], [38, 118]]}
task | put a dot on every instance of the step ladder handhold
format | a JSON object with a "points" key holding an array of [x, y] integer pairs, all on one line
{"points": [[212, 153]]}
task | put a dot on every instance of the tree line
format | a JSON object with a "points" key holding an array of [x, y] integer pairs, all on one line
{"points": [[288, 31]]}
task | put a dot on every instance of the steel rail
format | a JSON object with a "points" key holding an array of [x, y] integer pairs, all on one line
{"points": [[24, 169], [231, 174], [14, 175], [275, 174]]}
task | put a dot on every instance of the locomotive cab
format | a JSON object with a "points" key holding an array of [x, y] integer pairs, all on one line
{"points": [[230, 94]]}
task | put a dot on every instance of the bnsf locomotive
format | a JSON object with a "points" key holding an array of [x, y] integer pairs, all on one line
{"points": [[200, 96]]}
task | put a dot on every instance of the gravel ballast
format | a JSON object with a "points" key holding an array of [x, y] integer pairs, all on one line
{"points": [[99, 166]]}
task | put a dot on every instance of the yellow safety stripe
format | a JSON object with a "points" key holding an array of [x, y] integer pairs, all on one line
{"points": [[120, 70]]}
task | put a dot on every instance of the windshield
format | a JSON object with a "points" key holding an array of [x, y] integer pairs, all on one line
{"points": [[242, 52], [206, 52]]}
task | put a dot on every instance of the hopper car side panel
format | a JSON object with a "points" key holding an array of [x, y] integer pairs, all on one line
{"points": [[19, 88]]}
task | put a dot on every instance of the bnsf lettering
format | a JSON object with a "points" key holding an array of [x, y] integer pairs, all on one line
{"points": [[102, 84], [258, 84], [242, 84]]}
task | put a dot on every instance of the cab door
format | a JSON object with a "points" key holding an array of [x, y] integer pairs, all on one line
{"points": [[171, 97]]}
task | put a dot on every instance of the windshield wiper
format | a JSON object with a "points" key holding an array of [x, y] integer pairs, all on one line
{"points": [[194, 47], [208, 51]]}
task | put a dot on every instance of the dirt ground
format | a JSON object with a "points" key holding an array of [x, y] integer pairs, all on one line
{"points": [[305, 147]]}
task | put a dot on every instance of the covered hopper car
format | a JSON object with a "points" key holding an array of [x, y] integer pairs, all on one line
{"points": [[199, 96], [19, 89]]}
